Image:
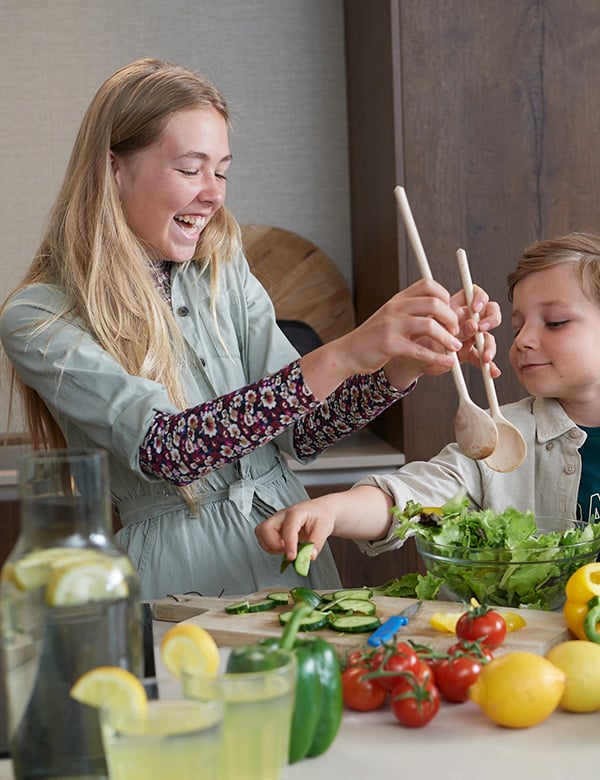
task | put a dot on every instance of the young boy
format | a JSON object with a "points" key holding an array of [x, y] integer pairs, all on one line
{"points": [[555, 292]]}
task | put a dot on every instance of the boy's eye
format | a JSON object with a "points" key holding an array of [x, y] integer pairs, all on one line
{"points": [[556, 324], [188, 173]]}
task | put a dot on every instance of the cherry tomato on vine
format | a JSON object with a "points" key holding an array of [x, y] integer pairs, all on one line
{"points": [[400, 659], [361, 694], [476, 650], [417, 705], [357, 658], [454, 677], [483, 624], [421, 675]]}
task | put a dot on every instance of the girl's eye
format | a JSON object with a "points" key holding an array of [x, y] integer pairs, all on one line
{"points": [[221, 176], [189, 173], [556, 324]]}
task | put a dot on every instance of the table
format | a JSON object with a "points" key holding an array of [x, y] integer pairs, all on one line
{"points": [[459, 744]]}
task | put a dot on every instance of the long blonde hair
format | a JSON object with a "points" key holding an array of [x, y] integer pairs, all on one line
{"points": [[582, 249], [89, 250]]}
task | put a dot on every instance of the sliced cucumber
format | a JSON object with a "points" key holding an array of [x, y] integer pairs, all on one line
{"points": [[280, 597], [311, 622], [353, 593], [238, 608], [261, 606], [302, 560], [363, 606], [354, 624], [305, 594]]}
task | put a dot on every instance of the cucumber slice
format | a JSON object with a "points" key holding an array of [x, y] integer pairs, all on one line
{"points": [[311, 622], [354, 624], [353, 593], [302, 561], [280, 597], [261, 606], [238, 608], [363, 606], [303, 558], [305, 594]]}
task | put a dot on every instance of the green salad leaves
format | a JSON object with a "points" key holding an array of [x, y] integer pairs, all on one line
{"points": [[501, 559]]}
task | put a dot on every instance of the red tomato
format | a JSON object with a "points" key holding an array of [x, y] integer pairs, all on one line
{"points": [[360, 694], [484, 624], [454, 677], [357, 658], [416, 706], [401, 659], [421, 675], [476, 650]]}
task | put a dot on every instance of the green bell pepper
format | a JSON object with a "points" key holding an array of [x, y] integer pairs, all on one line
{"points": [[318, 705]]}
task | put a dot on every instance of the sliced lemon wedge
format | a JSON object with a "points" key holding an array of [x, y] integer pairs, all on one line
{"points": [[82, 581], [445, 621], [190, 648], [113, 688]]}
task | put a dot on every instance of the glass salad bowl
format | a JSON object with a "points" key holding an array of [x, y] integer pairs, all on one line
{"points": [[530, 574]]}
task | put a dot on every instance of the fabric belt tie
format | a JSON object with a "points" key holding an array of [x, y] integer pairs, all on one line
{"points": [[240, 493]]}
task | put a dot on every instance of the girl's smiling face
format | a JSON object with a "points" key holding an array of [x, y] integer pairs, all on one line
{"points": [[555, 352], [171, 189]]}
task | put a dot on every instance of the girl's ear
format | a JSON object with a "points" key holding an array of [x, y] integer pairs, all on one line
{"points": [[114, 164]]}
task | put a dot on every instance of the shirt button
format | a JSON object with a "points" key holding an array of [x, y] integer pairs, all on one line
{"points": [[183, 311], [550, 446], [569, 469], [574, 434]]}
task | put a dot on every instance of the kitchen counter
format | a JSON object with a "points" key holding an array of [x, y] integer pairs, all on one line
{"points": [[459, 744]]}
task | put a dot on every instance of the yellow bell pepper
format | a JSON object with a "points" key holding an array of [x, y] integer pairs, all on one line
{"points": [[581, 609]]}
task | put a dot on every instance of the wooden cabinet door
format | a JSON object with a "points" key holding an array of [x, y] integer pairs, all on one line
{"points": [[486, 112]]}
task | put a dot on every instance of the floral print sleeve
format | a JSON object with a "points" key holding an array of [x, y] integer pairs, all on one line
{"points": [[188, 445], [355, 403]]}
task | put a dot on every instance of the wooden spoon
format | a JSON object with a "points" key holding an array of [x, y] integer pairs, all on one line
{"points": [[511, 449], [475, 431]]}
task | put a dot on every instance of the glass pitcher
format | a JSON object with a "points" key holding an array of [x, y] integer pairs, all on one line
{"points": [[69, 601]]}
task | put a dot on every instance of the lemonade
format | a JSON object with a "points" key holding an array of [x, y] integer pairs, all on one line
{"points": [[258, 714], [174, 739]]}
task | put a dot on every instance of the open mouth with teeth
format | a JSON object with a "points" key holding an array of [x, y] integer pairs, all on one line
{"points": [[190, 223]]}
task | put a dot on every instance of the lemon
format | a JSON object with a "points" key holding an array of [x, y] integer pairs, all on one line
{"points": [[187, 647], [90, 579], [519, 689], [33, 570], [580, 661], [113, 688], [445, 621], [513, 621]]}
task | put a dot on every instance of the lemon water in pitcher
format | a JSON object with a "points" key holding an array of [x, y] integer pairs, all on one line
{"points": [[70, 601]]}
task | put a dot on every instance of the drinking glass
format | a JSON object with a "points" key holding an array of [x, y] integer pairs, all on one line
{"points": [[258, 715], [177, 737]]}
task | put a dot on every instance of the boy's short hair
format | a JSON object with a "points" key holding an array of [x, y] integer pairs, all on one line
{"points": [[580, 248]]}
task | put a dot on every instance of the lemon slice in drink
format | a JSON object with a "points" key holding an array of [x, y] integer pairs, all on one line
{"points": [[187, 647], [89, 579], [112, 688], [33, 570]]}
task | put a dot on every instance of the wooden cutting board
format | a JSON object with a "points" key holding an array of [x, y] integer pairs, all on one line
{"points": [[542, 630]]}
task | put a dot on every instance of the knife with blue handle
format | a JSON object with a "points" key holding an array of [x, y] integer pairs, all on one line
{"points": [[386, 630]]}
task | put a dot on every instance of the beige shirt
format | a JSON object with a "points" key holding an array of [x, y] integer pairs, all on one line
{"points": [[546, 483]]}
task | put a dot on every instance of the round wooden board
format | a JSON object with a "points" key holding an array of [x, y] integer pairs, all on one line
{"points": [[302, 281]]}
